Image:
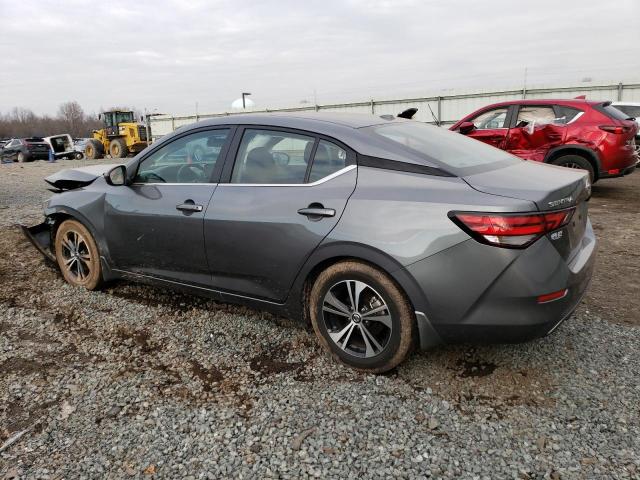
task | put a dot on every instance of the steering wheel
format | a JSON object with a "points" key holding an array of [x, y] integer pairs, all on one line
{"points": [[150, 175], [193, 171]]}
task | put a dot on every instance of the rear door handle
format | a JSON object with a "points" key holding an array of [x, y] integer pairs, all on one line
{"points": [[317, 212], [189, 207]]}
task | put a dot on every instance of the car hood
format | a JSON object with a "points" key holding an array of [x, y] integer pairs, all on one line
{"points": [[77, 177], [550, 187]]}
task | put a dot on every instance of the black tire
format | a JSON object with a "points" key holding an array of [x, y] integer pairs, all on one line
{"points": [[22, 157], [118, 148], [575, 161], [79, 156], [94, 150], [394, 337], [78, 256]]}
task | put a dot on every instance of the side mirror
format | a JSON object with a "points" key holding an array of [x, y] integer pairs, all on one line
{"points": [[466, 127], [99, 116], [117, 176]]}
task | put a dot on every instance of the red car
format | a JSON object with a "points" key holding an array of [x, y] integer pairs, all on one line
{"points": [[575, 133]]}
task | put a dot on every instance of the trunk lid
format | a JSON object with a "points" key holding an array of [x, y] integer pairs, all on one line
{"points": [[548, 186]]}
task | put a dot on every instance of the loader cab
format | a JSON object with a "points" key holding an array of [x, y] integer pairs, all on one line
{"points": [[113, 119]]}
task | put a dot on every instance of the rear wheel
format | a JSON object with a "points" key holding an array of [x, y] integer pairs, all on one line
{"points": [[361, 317], [575, 161], [94, 149], [77, 255], [118, 148], [78, 155]]}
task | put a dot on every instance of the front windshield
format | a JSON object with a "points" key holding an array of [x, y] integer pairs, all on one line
{"points": [[455, 153], [124, 117]]}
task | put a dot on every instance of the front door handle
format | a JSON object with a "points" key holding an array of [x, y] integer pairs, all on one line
{"points": [[189, 206], [317, 212]]}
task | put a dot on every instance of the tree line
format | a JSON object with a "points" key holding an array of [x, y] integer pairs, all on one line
{"points": [[71, 119]]}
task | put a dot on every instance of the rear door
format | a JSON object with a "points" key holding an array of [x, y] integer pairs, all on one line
{"points": [[535, 129], [491, 126], [155, 226], [284, 193]]}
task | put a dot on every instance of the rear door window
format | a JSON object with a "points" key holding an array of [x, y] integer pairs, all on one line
{"points": [[329, 159], [272, 157], [565, 115], [533, 114]]}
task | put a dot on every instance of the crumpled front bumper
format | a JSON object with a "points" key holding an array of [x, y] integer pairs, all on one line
{"points": [[40, 236]]}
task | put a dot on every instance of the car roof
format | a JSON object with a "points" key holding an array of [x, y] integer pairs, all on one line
{"points": [[311, 120], [548, 101], [347, 128]]}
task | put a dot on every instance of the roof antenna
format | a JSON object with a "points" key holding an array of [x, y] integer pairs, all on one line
{"points": [[408, 113], [435, 119]]}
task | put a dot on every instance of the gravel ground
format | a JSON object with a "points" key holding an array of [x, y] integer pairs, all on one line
{"points": [[142, 382]]}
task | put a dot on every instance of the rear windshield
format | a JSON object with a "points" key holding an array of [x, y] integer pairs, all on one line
{"points": [[629, 110], [613, 112], [34, 139], [454, 152]]}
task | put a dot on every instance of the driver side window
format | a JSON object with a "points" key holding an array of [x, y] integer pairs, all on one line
{"points": [[491, 119], [189, 159]]}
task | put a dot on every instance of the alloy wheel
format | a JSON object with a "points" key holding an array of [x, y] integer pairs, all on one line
{"points": [[572, 165], [76, 256], [357, 318]]}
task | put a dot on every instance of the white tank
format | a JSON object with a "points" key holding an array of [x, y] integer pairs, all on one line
{"points": [[237, 104]]}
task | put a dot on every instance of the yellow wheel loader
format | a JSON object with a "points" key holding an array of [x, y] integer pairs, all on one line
{"points": [[120, 136]]}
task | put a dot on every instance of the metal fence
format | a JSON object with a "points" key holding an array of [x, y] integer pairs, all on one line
{"points": [[446, 109]]}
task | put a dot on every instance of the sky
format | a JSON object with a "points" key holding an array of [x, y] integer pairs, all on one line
{"points": [[173, 56]]}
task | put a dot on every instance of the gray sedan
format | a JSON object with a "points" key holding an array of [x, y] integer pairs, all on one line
{"points": [[382, 233]]}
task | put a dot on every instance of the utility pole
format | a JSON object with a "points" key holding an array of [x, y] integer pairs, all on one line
{"points": [[244, 94], [524, 85]]}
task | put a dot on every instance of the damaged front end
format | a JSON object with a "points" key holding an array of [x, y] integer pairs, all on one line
{"points": [[40, 236]]}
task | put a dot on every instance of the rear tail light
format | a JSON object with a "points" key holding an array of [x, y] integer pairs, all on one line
{"points": [[510, 230], [615, 129]]}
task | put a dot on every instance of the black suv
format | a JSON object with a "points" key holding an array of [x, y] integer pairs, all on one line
{"points": [[25, 150]]}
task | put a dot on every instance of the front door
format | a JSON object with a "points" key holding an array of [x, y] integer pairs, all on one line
{"points": [[285, 193], [536, 130], [155, 226], [491, 127]]}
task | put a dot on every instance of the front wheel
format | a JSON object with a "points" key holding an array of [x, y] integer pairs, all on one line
{"points": [[118, 148], [94, 149], [362, 317], [77, 255], [22, 157]]}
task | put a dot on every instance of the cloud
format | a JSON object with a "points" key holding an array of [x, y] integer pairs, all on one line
{"points": [[170, 54]]}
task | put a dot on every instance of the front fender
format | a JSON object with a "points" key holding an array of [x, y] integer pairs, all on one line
{"points": [[88, 209]]}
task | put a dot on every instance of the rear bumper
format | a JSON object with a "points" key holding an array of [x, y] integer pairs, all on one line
{"points": [[619, 173], [482, 294]]}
